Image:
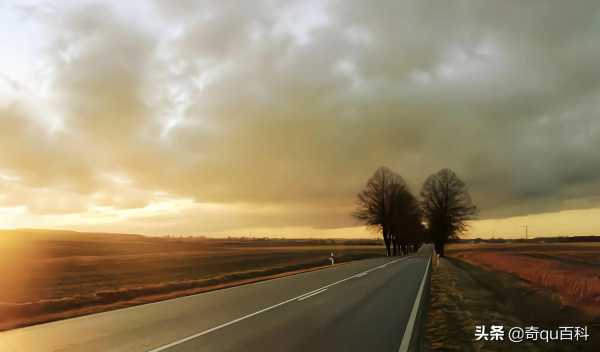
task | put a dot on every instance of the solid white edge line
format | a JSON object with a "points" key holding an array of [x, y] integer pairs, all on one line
{"points": [[410, 325], [191, 337], [311, 295]]}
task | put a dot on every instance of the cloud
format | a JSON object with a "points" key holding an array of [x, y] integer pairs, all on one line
{"points": [[293, 105]]}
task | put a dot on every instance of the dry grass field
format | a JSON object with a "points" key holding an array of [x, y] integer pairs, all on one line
{"points": [[569, 270], [46, 275], [464, 295]]}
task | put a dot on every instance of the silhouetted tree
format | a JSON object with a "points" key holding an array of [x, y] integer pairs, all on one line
{"points": [[447, 207], [374, 203], [406, 221], [387, 204]]}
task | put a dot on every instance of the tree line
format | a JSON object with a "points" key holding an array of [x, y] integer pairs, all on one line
{"points": [[442, 212]]}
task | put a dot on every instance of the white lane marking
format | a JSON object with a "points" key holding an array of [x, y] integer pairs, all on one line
{"points": [[191, 337], [378, 267], [410, 325], [312, 294]]}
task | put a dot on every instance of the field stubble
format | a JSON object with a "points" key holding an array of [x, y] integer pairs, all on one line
{"points": [[571, 272], [49, 276]]}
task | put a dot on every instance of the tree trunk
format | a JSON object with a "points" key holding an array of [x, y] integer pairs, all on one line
{"points": [[386, 241]]}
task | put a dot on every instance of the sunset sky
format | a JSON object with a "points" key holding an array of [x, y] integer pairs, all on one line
{"points": [[267, 117]]}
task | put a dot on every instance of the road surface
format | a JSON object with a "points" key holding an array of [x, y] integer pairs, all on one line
{"points": [[358, 306]]}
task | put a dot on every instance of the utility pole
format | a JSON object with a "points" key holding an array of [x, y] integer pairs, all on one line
{"points": [[526, 230]]}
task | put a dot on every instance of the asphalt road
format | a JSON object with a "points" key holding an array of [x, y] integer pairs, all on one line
{"points": [[359, 306]]}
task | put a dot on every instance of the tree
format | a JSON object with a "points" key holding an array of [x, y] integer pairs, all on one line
{"points": [[387, 205], [373, 208], [447, 207], [406, 223]]}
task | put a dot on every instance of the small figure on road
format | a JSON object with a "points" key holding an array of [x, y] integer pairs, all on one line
{"points": [[332, 258]]}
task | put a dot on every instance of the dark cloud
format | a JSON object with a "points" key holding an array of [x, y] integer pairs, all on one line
{"points": [[295, 104]]}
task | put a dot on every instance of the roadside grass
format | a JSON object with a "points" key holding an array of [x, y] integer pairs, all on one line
{"points": [[464, 295], [571, 272]]}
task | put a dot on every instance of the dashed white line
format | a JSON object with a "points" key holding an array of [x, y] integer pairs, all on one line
{"points": [[312, 294], [299, 298]]}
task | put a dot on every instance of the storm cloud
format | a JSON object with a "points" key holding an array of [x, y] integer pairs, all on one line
{"points": [[278, 112]]}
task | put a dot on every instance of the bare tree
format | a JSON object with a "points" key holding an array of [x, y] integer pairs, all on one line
{"points": [[387, 204], [406, 222], [374, 203], [447, 207]]}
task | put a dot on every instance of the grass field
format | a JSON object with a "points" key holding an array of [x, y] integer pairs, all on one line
{"points": [[569, 270], [52, 275], [464, 295]]}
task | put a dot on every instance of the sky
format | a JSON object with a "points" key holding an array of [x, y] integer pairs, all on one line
{"points": [[268, 117]]}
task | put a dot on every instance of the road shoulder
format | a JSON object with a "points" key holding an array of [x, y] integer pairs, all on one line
{"points": [[464, 295]]}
